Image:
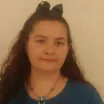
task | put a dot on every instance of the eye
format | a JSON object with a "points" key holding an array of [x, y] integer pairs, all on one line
{"points": [[59, 43], [41, 41]]}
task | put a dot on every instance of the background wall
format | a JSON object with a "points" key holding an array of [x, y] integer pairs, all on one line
{"points": [[86, 20]]}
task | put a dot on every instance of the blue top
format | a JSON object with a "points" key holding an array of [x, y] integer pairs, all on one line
{"points": [[73, 93]]}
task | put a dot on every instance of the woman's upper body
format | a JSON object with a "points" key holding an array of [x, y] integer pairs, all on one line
{"points": [[73, 93], [42, 52]]}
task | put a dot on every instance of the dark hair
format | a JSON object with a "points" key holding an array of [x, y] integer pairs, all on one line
{"points": [[16, 68]]}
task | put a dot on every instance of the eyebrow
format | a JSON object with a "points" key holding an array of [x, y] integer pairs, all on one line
{"points": [[41, 36]]}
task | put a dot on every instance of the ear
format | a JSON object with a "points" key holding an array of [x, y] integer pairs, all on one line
{"points": [[26, 44]]}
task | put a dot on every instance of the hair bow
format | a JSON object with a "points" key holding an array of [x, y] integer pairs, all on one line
{"points": [[45, 6]]}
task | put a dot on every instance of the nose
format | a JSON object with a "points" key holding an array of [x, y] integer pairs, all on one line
{"points": [[50, 49]]}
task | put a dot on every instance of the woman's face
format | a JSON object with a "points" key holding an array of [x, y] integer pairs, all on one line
{"points": [[47, 46]]}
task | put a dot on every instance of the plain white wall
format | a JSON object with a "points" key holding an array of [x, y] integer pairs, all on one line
{"points": [[86, 20]]}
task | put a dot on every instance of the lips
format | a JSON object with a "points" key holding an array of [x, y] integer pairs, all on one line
{"points": [[48, 59]]}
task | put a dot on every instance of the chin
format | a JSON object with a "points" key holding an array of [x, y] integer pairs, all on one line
{"points": [[48, 69]]}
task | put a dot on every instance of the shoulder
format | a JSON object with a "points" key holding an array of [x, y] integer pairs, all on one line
{"points": [[85, 92], [19, 98]]}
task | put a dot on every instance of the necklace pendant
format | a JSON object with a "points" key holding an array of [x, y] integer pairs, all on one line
{"points": [[41, 100]]}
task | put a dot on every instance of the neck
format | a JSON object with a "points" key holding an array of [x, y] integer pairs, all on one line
{"points": [[43, 78], [42, 82]]}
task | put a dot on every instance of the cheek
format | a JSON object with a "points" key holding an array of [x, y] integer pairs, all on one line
{"points": [[34, 52], [62, 54]]}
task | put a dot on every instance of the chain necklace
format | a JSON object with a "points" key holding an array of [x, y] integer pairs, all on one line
{"points": [[41, 99]]}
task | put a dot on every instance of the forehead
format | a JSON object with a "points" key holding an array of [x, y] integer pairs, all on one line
{"points": [[50, 29]]}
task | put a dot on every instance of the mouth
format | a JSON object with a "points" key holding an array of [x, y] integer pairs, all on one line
{"points": [[49, 60]]}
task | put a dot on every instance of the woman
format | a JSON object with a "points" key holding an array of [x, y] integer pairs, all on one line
{"points": [[41, 67]]}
